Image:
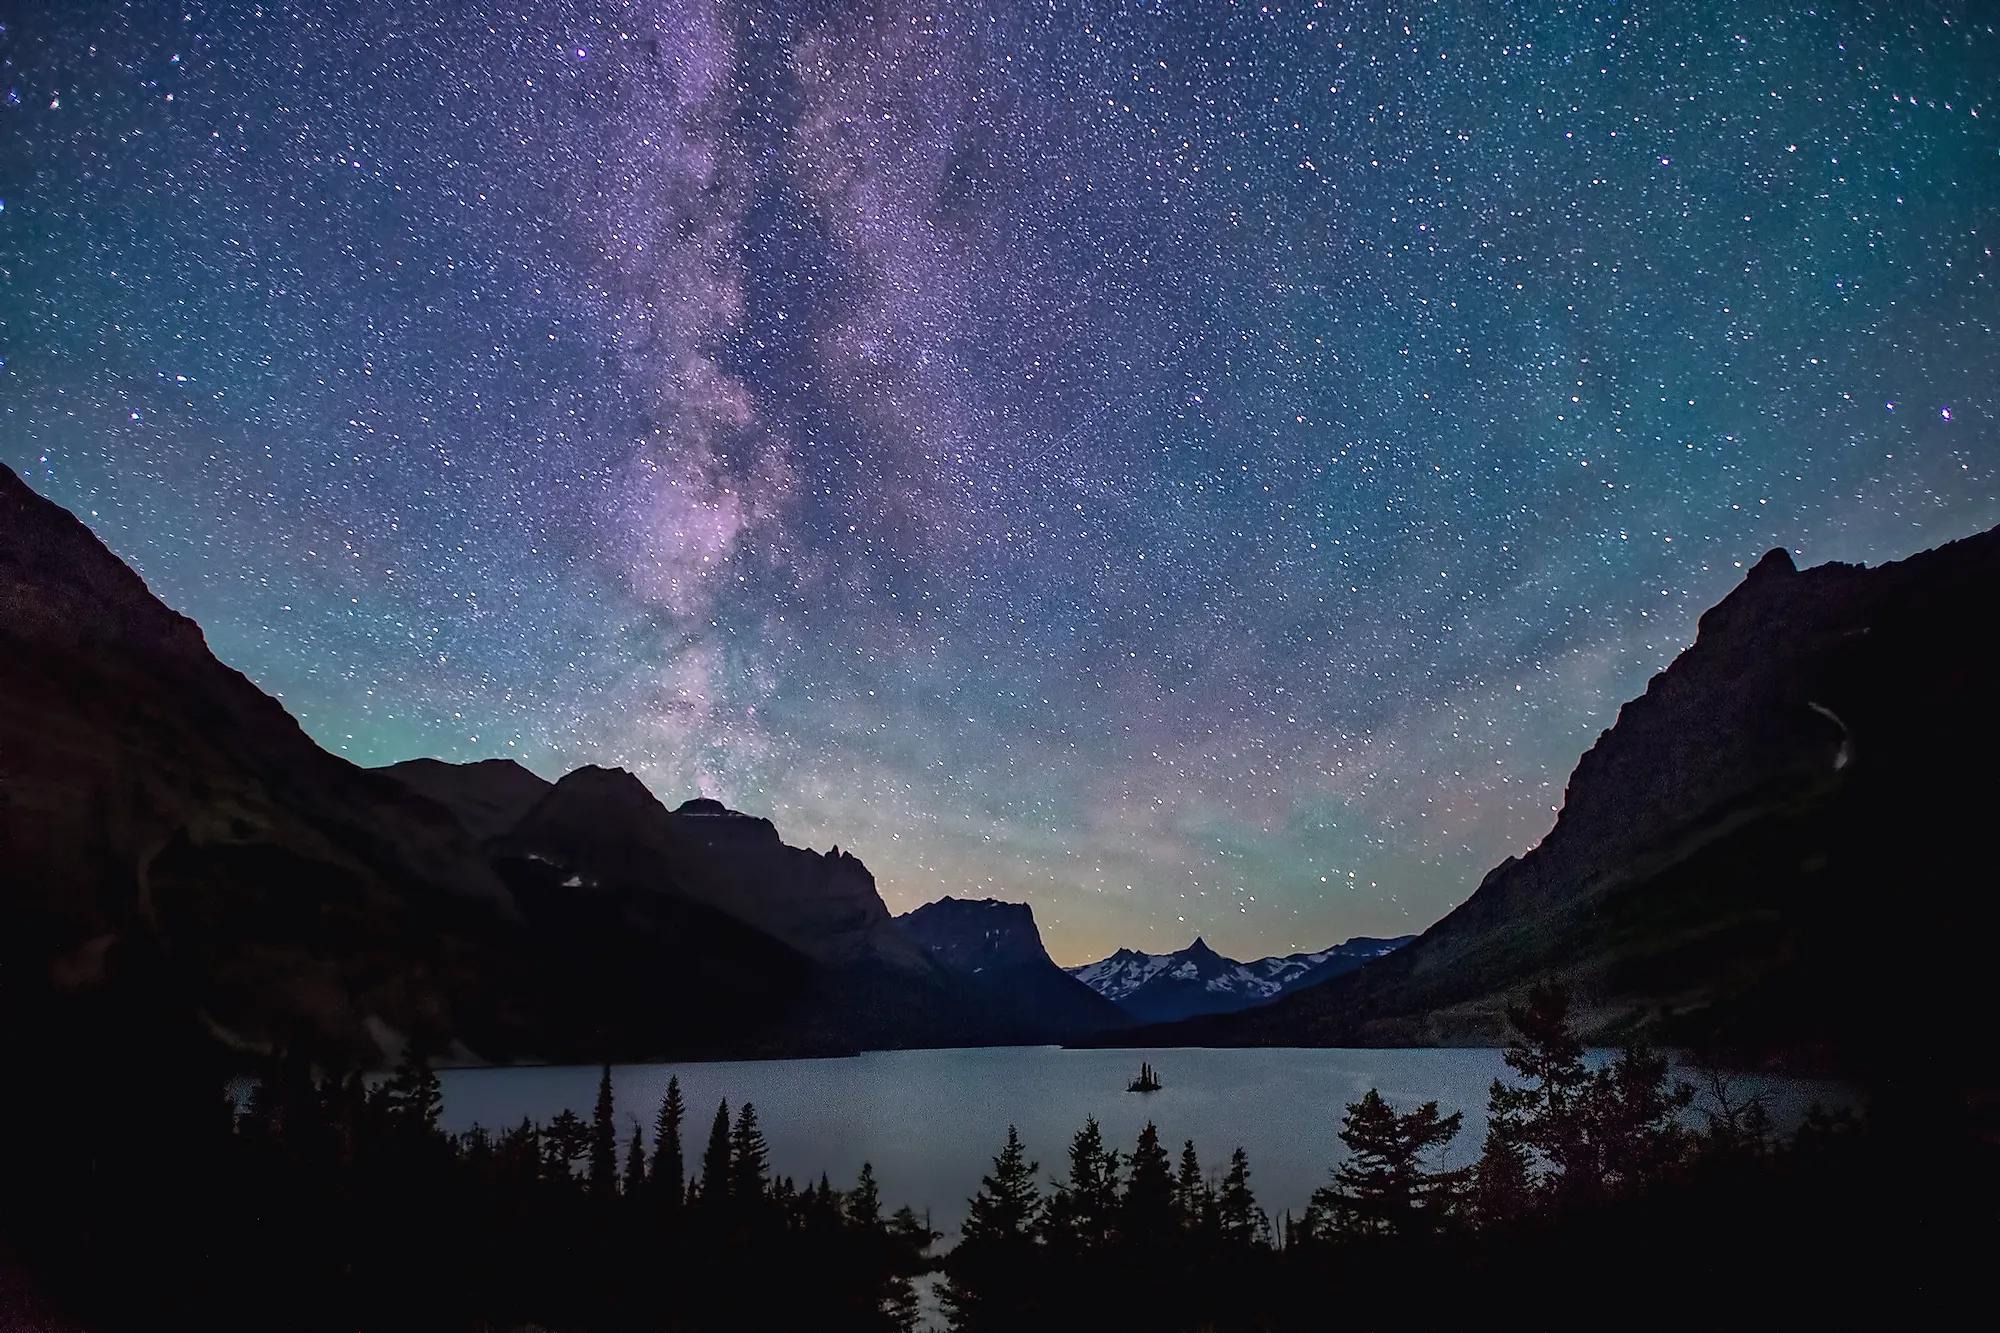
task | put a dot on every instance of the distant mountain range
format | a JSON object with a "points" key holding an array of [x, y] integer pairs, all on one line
{"points": [[1162, 987], [1784, 850]]}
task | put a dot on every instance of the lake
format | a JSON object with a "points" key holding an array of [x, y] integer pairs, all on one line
{"points": [[932, 1121]]}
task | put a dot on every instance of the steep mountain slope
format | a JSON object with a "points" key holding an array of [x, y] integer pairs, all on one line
{"points": [[1163, 987], [604, 823], [997, 948], [1810, 781], [605, 832], [162, 817], [172, 844]]}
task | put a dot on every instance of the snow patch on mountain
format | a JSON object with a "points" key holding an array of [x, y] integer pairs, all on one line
{"points": [[1198, 980]]}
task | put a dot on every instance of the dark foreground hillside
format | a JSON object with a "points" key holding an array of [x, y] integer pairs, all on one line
{"points": [[171, 839], [1783, 849]]}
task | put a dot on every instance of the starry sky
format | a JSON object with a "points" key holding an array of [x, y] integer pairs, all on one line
{"points": [[1194, 466]]}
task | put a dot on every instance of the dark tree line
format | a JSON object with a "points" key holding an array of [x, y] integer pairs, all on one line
{"points": [[1604, 1194], [340, 1203], [1596, 1184]]}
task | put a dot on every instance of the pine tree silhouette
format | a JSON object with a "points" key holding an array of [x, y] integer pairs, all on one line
{"points": [[1384, 1187], [635, 1162], [1084, 1209], [604, 1140], [566, 1143], [413, 1093], [864, 1201], [1008, 1205], [749, 1158], [1594, 1132], [989, 1275], [1242, 1221], [715, 1160], [668, 1177], [1147, 1210], [1192, 1204]]}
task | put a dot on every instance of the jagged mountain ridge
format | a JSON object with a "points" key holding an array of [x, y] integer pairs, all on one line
{"points": [[175, 846], [600, 835], [1160, 988], [998, 949], [1814, 771]]}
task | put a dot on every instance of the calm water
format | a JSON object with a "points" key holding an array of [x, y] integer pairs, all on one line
{"points": [[931, 1121]]}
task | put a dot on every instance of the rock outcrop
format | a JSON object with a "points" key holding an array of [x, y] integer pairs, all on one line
{"points": [[997, 949]]}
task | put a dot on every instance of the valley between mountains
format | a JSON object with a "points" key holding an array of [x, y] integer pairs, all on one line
{"points": [[1718, 875]]}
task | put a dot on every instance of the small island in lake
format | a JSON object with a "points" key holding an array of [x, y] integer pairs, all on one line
{"points": [[1148, 1080]]}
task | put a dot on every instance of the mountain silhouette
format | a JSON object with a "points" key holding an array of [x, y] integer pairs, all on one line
{"points": [[1781, 850]]}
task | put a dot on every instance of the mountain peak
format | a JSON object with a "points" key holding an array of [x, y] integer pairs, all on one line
{"points": [[1198, 980], [1775, 563], [703, 805], [995, 946]]}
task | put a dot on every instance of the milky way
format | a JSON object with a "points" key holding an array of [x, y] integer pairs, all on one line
{"points": [[1196, 467]]}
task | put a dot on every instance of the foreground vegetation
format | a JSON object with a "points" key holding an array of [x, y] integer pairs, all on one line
{"points": [[1602, 1195]]}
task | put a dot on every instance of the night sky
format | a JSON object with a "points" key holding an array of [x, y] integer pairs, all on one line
{"points": [[1198, 467]]}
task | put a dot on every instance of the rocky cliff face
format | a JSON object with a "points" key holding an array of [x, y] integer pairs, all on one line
{"points": [[1816, 770], [997, 949], [603, 824]]}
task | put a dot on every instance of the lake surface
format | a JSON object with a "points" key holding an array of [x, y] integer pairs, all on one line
{"points": [[932, 1121]]}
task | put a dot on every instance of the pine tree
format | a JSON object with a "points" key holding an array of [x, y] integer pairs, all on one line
{"points": [[1147, 1211], [820, 1206], [1384, 1187], [1502, 1183], [604, 1140], [1242, 1221], [715, 1160], [1008, 1205], [988, 1274], [749, 1158], [414, 1097], [1549, 1113], [1192, 1201], [635, 1162], [669, 1174], [1636, 1117], [864, 1201], [1592, 1131], [566, 1143], [1085, 1206]]}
